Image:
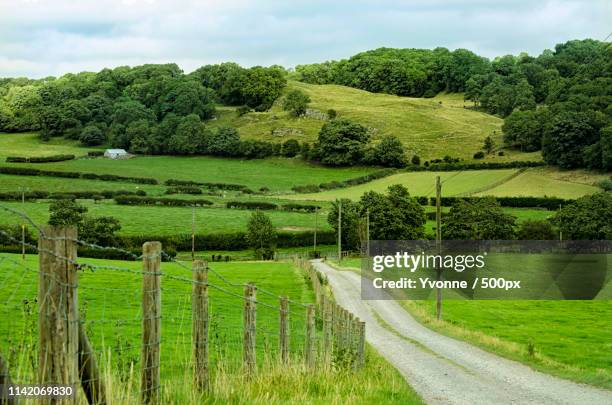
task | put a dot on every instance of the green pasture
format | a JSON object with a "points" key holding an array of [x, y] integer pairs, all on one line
{"points": [[534, 182], [158, 220], [110, 306]]}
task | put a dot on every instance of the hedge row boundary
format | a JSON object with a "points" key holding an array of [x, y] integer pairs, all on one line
{"points": [[169, 202], [39, 159], [27, 171]]}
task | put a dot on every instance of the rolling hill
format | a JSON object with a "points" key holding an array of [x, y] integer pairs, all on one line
{"points": [[430, 128]]}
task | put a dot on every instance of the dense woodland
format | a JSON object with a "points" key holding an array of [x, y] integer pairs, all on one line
{"points": [[558, 102]]}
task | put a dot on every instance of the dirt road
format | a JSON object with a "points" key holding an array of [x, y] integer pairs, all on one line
{"points": [[447, 371]]}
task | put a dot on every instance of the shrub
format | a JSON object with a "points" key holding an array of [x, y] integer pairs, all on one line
{"points": [[479, 155], [500, 153], [170, 202], [296, 102], [95, 153], [332, 114], [534, 229], [39, 159], [606, 184], [299, 207], [550, 203], [416, 160], [91, 135], [291, 148], [242, 110], [183, 190], [251, 205]]}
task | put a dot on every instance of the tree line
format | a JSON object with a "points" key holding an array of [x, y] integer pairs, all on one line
{"points": [[398, 216], [154, 109]]}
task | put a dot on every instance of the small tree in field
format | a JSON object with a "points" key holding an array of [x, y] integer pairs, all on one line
{"points": [[66, 212], [296, 102], [261, 235], [488, 145]]}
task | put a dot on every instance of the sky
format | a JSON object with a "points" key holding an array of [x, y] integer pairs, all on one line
{"points": [[41, 38]]}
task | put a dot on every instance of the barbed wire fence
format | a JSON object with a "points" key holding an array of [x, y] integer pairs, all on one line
{"points": [[125, 332]]}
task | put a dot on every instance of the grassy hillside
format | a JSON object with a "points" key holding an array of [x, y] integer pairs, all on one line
{"points": [[431, 128], [536, 182]]}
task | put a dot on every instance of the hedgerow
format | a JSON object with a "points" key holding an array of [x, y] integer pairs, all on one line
{"points": [[39, 159]]}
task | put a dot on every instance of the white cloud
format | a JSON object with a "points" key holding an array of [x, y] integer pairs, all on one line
{"points": [[43, 37]]}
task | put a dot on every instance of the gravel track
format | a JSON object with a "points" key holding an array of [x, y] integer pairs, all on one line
{"points": [[448, 371]]}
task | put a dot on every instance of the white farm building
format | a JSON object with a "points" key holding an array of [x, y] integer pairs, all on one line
{"points": [[115, 153]]}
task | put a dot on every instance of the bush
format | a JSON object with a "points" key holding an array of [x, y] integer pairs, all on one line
{"points": [[332, 114], [479, 155], [477, 166], [296, 102], [91, 135], [534, 229], [299, 207], [242, 110], [416, 160], [169, 202], [251, 205], [550, 203], [252, 149], [23, 171], [95, 153], [183, 190], [291, 148], [39, 159], [500, 153], [606, 184]]}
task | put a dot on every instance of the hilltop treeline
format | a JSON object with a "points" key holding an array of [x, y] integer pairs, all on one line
{"points": [[558, 102], [146, 109]]}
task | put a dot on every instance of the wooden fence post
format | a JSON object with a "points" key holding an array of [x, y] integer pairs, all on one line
{"points": [[327, 332], [250, 316], [361, 345], [151, 322], [91, 380], [5, 381], [283, 338], [199, 331], [309, 347], [58, 316]]}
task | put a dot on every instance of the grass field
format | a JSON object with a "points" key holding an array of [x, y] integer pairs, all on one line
{"points": [[568, 338], [278, 174], [431, 128], [110, 305], [545, 181], [535, 182], [152, 220], [29, 144]]}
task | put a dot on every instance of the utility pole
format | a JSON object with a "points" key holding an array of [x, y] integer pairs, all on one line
{"points": [[368, 234], [193, 233], [438, 244], [339, 231], [315, 231]]}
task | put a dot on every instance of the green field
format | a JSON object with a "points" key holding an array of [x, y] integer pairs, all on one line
{"points": [[509, 327], [152, 220], [278, 174], [110, 304], [544, 181], [431, 128], [535, 182]]}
